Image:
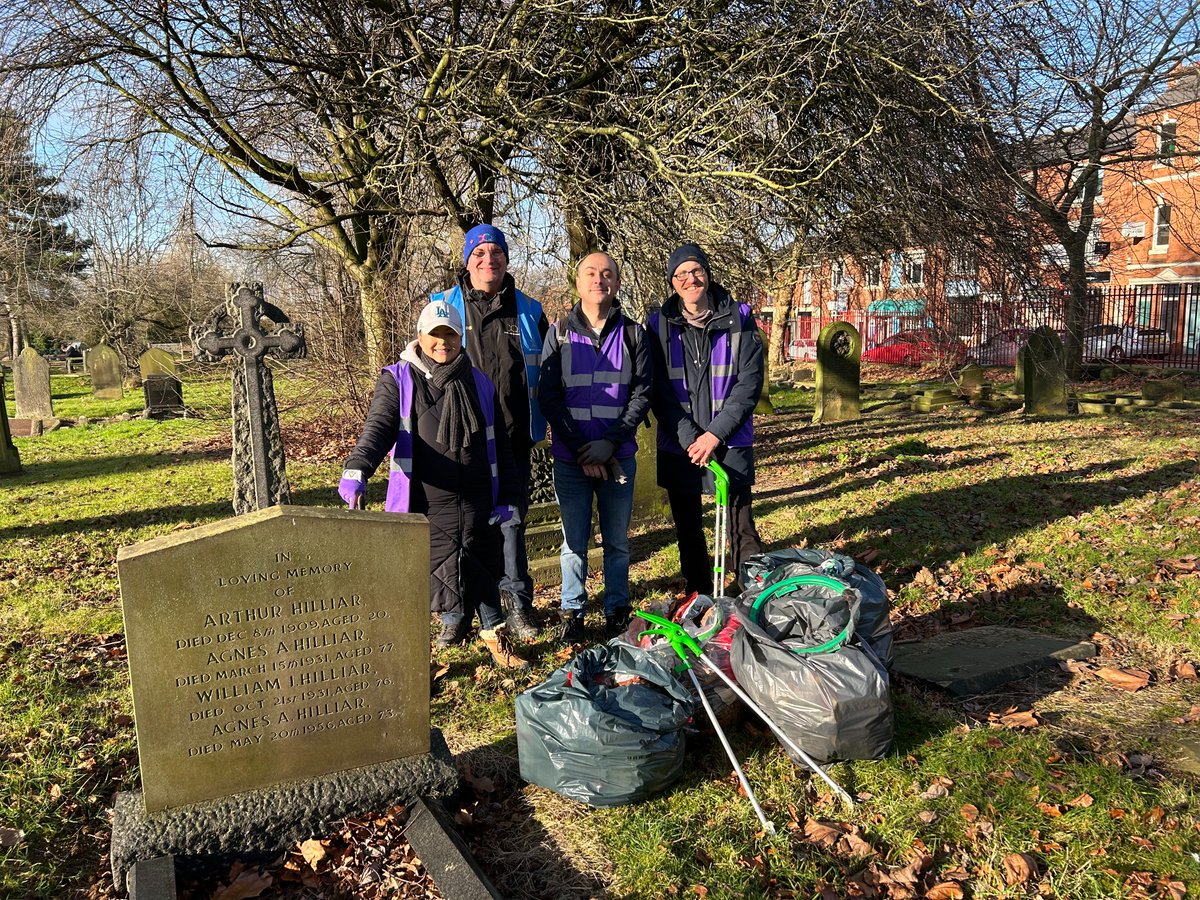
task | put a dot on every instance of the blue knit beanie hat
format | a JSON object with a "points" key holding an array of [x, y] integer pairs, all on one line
{"points": [[483, 234], [687, 253]]}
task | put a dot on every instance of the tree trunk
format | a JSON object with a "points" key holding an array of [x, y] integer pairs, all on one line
{"points": [[785, 291], [377, 322], [584, 234], [1075, 308]]}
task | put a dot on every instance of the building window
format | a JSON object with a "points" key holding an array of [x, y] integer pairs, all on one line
{"points": [[1162, 226], [1078, 173], [1166, 141], [837, 274], [964, 265], [873, 272], [914, 268]]}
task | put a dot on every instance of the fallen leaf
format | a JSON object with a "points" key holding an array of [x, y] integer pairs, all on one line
{"points": [[1053, 810], [928, 816], [1141, 842], [1025, 718], [969, 811], [10, 837], [935, 791], [823, 834], [1019, 868], [55, 792], [700, 890], [1083, 800], [313, 852], [1183, 671], [1176, 890], [1125, 679], [945, 890], [248, 884]]}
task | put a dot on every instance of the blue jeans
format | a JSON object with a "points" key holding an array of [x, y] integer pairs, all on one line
{"points": [[574, 492], [516, 578]]}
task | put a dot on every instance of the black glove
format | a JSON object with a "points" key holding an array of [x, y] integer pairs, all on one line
{"points": [[596, 452]]}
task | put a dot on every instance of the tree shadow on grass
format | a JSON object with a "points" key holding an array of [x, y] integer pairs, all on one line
{"points": [[931, 528], [99, 466], [172, 514]]}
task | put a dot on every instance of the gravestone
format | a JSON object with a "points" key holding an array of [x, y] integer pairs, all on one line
{"points": [[1043, 367], [971, 382], [87, 360], [1163, 390], [164, 397], [31, 385], [979, 659], [10, 459], [839, 354], [157, 361], [279, 668], [105, 368], [235, 328]]}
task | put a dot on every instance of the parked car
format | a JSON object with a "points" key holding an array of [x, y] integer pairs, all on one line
{"points": [[915, 348], [804, 349], [1118, 342], [1001, 348]]}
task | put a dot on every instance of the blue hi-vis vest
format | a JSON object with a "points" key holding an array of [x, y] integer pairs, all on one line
{"points": [[529, 311]]}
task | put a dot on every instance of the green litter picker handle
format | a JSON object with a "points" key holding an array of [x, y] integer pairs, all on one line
{"points": [[721, 478], [681, 642]]}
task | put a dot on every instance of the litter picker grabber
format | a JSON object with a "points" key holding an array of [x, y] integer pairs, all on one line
{"points": [[683, 643], [720, 526]]}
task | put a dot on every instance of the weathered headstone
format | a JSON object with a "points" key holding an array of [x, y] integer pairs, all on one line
{"points": [[164, 397], [105, 368], [839, 354], [10, 459], [971, 381], [259, 471], [1163, 390], [979, 659], [279, 666], [157, 361], [1043, 366], [31, 385]]}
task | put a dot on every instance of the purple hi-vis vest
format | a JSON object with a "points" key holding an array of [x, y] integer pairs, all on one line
{"points": [[723, 359], [399, 490], [596, 382]]}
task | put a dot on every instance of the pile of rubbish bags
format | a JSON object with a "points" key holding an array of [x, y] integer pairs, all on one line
{"points": [[809, 641]]}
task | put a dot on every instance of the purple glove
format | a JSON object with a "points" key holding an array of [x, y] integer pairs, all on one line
{"points": [[502, 514], [353, 487]]}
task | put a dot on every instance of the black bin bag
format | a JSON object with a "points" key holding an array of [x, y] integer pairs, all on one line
{"points": [[607, 728], [798, 657], [873, 625]]}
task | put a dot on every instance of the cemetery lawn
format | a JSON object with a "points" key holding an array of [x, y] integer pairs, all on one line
{"points": [[1074, 783]]}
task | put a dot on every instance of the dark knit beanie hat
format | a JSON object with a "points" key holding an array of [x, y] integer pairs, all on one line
{"points": [[687, 253]]}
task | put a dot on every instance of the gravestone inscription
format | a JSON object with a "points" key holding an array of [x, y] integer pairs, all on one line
{"points": [[31, 385], [284, 644], [105, 368], [236, 328], [838, 374], [164, 397]]}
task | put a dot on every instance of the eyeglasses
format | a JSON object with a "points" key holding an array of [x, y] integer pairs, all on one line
{"points": [[487, 251], [690, 275]]}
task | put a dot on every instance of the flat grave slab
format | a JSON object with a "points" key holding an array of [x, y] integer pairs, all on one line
{"points": [[980, 659]]}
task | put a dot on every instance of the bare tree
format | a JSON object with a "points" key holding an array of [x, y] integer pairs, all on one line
{"points": [[1060, 86]]}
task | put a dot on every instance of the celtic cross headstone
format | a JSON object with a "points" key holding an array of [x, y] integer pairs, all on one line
{"points": [[236, 329]]}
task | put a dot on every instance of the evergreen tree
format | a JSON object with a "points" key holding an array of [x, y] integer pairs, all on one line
{"points": [[39, 253]]}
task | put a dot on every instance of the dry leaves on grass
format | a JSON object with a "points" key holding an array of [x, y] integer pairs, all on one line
{"points": [[246, 883], [1124, 678], [945, 890], [842, 838], [1019, 868], [1014, 718], [939, 787]]}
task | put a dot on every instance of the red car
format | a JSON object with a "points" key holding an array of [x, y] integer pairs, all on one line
{"points": [[916, 348]]}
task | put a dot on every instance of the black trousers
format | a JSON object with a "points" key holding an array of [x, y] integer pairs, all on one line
{"points": [[695, 558]]}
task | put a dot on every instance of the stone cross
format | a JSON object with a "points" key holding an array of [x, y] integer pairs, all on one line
{"points": [[235, 328], [839, 353]]}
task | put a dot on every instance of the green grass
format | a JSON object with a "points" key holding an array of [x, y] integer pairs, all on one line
{"points": [[1067, 526]]}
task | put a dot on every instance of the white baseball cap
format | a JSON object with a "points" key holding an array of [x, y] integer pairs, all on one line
{"points": [[439, 313]]}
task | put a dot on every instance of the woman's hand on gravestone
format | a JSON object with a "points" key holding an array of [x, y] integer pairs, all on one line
{"points": [[353, 488]]}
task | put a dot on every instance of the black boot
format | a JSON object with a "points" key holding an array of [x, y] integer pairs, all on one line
{"points": [[616, 621], [454, 633], [520, 623], [571, 630]]}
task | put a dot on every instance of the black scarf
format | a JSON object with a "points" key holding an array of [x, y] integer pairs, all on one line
{"points": [[460, 409]]}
